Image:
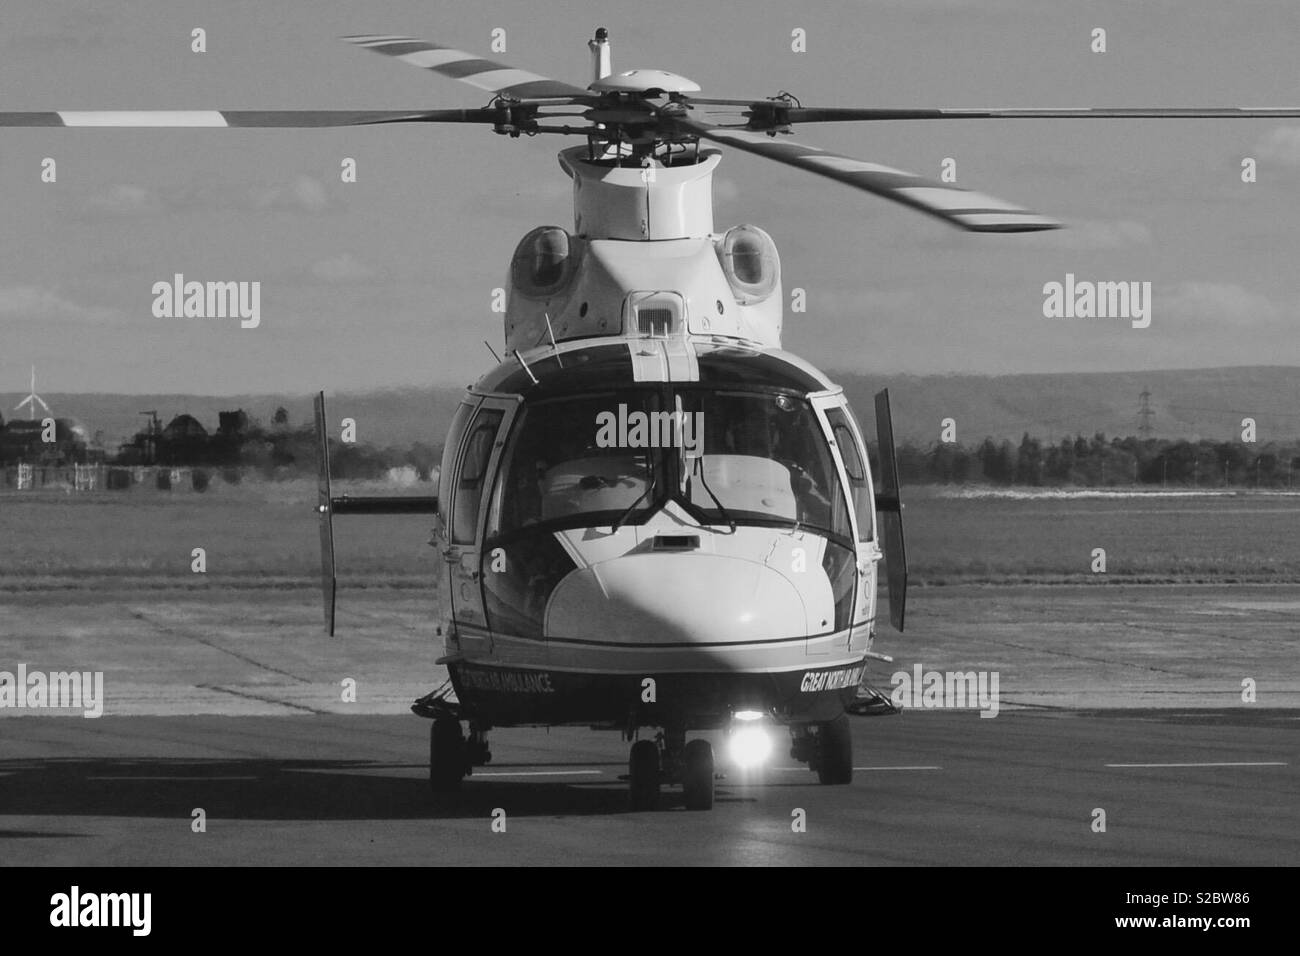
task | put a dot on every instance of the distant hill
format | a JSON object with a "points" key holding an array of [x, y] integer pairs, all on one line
{"points": [[1194, 404], [1200, 403]]}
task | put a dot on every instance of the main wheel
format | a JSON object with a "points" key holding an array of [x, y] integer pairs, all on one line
{"points": [[835, 751], [697, 775], [643, 775], [447, 758]]}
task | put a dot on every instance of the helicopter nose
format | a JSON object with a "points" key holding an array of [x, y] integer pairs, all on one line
{"points": [[658, 599]]}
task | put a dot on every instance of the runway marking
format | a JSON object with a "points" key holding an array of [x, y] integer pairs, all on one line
{"points": [[538, 773], [1225, 763], [135, 777], [805, 769], [897, 768]]}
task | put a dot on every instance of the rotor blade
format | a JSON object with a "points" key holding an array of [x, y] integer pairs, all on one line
{"points": [[961, 207], [767, 112], [275, 119], [42, 401], [812, 115], [496, 78]]}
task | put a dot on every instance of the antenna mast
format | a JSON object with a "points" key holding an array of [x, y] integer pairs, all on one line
{"points": [[1145, 414]]}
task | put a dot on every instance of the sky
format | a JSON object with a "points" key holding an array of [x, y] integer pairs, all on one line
{"points": [[388, 281]]}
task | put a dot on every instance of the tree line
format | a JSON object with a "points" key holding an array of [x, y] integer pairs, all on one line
{"points": [[1102, 462]]}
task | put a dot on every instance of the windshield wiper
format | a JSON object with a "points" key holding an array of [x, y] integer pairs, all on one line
{"points": [[640, 498], [726, 516]]}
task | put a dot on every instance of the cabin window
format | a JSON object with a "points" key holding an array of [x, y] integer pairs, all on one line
{"points": [[855, 468], [470, 474]]}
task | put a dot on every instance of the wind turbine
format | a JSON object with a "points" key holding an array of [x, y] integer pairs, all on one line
{"points": [[32, 398]]}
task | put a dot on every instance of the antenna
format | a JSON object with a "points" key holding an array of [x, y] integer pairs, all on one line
{"points": [[599, 48], [1145, 414], [525, 365], [493, 351], [32, 398], [550, 331]]}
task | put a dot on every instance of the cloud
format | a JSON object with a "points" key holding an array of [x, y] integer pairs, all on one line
{"points": [[304, 194], [124, 199], [1280, 145], [856, 303], [1218, 302], [1096, 234], [29, 302], [342, 268], [725, 189]]}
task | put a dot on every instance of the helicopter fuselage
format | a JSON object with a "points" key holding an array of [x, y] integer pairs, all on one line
{"points": [[650, 513], [642, 581]]}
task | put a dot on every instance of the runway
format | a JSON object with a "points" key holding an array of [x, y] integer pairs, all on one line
{"points": [[231, 701], [1204, 788]]}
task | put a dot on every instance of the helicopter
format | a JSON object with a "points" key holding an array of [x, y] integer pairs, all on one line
{"points": [[653, 518]]}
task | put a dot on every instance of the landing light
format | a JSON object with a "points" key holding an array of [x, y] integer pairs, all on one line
{"points": [[749, 715], [750, 746]]}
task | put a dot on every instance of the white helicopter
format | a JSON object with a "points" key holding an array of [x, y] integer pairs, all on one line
{"points": [[652, 517]]}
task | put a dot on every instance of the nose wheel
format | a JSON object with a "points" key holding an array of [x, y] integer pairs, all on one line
{"points": [[834, 751], [697, 775], [670, 759], [643, 775]]}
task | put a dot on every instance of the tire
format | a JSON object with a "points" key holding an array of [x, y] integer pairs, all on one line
{"points": [[697, 775], [835, 751], [643, 775], [447, 763]]}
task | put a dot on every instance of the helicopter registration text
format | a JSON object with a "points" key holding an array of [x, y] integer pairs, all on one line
{"points": [[815, 681], [507, 682], [638, 429]]}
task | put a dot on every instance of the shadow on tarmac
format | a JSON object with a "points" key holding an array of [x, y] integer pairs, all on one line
{"points": [[300, 790]]}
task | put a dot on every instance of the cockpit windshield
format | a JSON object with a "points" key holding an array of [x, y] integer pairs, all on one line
{"points": [[560, 464], [763, 458], [727, 457]]}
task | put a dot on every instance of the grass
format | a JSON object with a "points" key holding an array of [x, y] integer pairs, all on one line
{"points": [[252, 534], [265, 535], [1151, 540]]}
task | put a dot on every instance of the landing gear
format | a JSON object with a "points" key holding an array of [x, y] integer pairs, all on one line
{"points": [[670, 759], [448, 760], [833, 752], [477, 751], [697, 775], [643, 775]]}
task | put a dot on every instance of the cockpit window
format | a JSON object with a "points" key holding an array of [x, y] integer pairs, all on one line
{"points": [[588, 456], [742, 457], [763, 457]]}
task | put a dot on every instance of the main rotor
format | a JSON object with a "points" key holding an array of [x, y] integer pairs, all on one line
{"points": [[640, 117]]}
